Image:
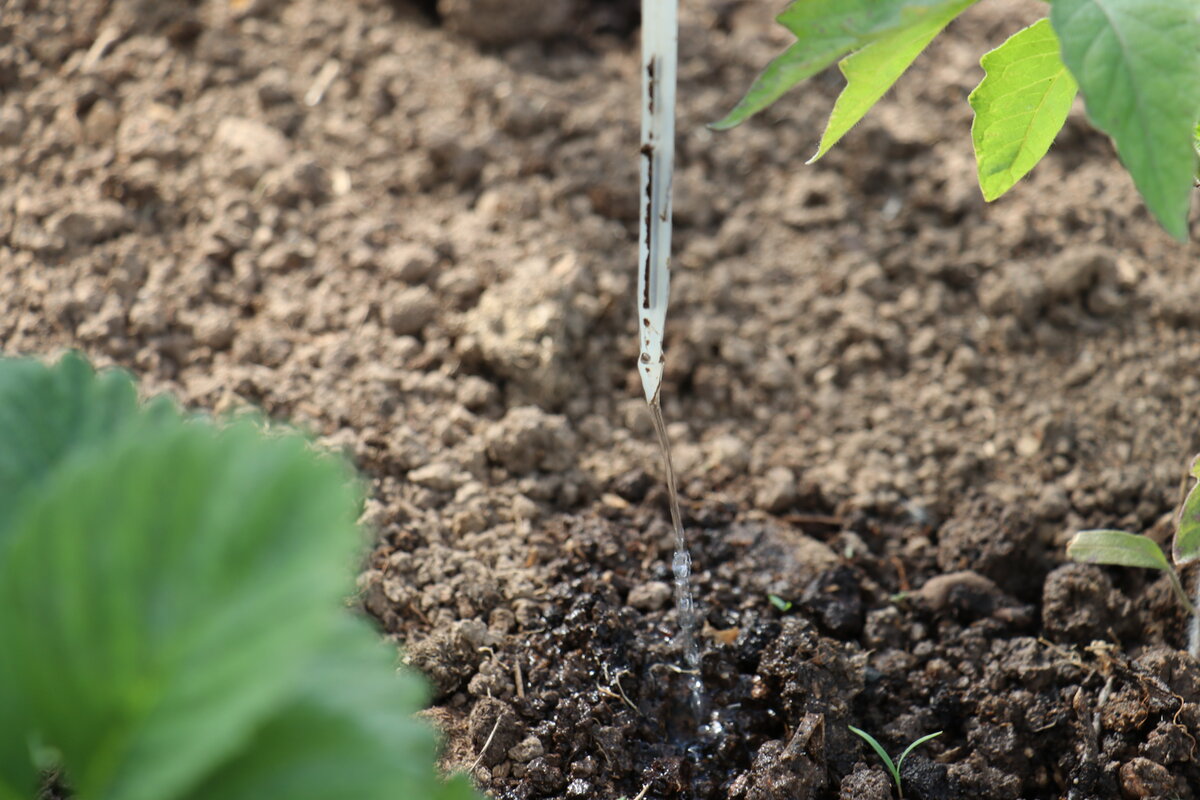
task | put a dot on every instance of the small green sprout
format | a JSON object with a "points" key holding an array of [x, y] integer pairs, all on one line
{"points": [[1123, 549], [777, 601], [893, 767]]}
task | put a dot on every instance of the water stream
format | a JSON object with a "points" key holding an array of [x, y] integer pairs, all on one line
{"points": [[681, 567], [660, 33]]}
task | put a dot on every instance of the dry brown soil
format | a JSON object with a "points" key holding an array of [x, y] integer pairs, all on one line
{"points": [[412, 229]]}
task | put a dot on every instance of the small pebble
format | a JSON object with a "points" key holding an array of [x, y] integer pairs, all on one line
{"points": [[650, 596]]}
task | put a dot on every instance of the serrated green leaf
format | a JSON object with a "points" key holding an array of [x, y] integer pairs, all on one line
{"points": [[47, 413], [1138, 65], [1020, 106], [1186, 547], [348, 732], [176, 580], [1118, 548], [871, 71], [825, 31]]}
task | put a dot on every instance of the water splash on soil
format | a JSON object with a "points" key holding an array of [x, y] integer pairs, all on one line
{"points": [[681, 568]]}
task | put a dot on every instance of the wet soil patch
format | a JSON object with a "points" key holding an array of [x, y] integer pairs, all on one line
{"points": [[1033, 701]]}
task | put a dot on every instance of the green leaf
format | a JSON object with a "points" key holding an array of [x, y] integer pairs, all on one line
{"points": [[871, 71], [825, 31], [1186, 547], [879, 751], [18, 774], [1020, 106], [1138, 65], [1197, 145], [347, 733], [1118, 548], [159, 597], [914, 746], [48, 413]]}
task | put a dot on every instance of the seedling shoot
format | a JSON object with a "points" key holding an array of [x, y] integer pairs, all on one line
{"points": [[1122, 549]]}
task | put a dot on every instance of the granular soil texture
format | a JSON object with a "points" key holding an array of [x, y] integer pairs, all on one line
{"points": [[410, 226]]}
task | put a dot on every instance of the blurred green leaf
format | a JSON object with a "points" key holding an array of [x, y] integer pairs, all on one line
{"points": [[1118, 548], [1197, 146], [871, 71], [825, 31], [1138, 65], [1186, 548], [348, 732], [48, 413], [176, 581], [1020, 106]]}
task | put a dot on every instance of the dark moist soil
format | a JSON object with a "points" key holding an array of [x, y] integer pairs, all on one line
{"points": [[411, 226]]}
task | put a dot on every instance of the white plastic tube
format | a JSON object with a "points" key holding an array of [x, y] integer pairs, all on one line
{"points": [[660, 38]]}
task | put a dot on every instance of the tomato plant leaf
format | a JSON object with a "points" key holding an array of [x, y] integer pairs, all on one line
{"points": [[176, 580], [871, 71], [1138, 65], [825, 31], [1020, 106], [1186, 547], [1118, 548]]}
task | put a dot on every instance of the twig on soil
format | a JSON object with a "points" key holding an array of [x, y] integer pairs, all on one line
{"points": [[604, 690], [621, 689], [679, 669], [321, 84], [413, 607], [490, 652], [901, 574], [107, 38], [486, 744], [519, 680], [1101, 699], [1069, 655], [814, 519], [616, 680]]}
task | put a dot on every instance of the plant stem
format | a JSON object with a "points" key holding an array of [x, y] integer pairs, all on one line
{"points": [[1191, 608], [1194, 623]]}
